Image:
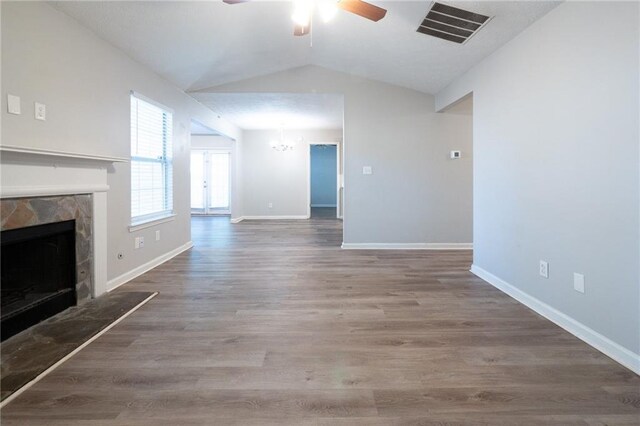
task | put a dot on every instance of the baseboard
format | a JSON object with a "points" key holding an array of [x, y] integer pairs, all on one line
{"points": [[407, 246], [608, 347], [236, 219], [136, 272], [274, 217], [324, 205]]}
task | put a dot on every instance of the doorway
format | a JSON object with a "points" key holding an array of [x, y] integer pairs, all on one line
{"points": [[324, 180], [211, 181]]}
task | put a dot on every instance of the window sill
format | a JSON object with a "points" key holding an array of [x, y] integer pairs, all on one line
{"points": [[152, 222]]}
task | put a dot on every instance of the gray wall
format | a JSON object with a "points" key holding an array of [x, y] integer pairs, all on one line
{"points": [[278, 177], [556, 163], [415, 194], [85, 83]]}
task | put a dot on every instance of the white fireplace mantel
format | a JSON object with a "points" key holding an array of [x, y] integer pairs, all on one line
{"points": [[61, 154], [28, 172]]}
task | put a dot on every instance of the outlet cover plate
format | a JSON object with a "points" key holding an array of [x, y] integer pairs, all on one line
{"points": [[544, 269], [40, 111]]}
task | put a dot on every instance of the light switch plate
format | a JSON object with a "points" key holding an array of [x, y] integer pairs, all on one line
{"points": [[40, 111], [578, 282], [13, 104], [366, 170]]}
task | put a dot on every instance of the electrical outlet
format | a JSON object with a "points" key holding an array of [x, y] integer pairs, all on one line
{"points": [[270, 205], [141, 241], [157, 235], [367, 170], [40, 111], [544, 269], [136, 243], [578, 282]]}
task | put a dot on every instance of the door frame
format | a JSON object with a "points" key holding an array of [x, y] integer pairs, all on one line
{"points": [[207, 172], [338, 176]]}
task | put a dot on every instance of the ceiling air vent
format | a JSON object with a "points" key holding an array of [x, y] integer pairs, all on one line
{"points": [[451, 23]]}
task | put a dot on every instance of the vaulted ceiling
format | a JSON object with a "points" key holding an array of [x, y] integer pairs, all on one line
{"points": [[203, 44]]}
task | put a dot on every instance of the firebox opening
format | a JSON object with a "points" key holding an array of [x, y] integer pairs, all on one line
{"points": [[38, 274]]}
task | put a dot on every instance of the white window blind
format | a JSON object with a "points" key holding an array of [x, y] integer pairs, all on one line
{"points": [[151, 161]]}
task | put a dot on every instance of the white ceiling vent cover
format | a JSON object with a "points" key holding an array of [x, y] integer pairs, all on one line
{"points": [[452, 24]]}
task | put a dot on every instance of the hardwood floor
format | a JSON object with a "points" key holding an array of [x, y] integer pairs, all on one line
{"points": [[271, 323]]}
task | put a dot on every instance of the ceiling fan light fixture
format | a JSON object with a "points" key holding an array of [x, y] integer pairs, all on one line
{"points": [[302, 10], [328, 9]]}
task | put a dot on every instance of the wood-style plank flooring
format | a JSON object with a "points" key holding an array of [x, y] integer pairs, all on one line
{"points": [[271, 323]]}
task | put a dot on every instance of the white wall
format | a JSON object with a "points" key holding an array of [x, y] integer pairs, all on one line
{"points": [[279, 177], [211, 142], [556, 166], [85, 83], [415, 194]]}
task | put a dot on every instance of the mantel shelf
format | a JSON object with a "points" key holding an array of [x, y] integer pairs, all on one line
{"points": [[62, 154]]}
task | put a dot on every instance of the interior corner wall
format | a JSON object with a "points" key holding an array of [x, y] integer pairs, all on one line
{"points": [[556, 171], [415, 194], [85, 83], [279, 178]]}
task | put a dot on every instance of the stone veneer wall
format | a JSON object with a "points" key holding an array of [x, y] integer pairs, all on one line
{"points": [[22, 212]]}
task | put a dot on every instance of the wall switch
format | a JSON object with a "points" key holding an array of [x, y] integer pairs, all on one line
{"points": [[270, 205], [13, 104], [578, 282], [544, 269], [455, 155], [367, 170], [157, 235], [141, 241], [40, 111]]}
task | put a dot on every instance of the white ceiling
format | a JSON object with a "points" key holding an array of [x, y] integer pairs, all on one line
{"points": [[203, 44], [273, 110]]}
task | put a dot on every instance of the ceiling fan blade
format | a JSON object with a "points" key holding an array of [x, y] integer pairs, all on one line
{"points": [[234, 1], [362, 8], [299, 30]]}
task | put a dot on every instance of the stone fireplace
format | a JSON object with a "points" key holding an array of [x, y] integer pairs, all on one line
{"points": [[35, 249], [42, 187]]}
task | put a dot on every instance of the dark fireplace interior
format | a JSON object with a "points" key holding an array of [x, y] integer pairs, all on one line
{"points": [[38, 274]]}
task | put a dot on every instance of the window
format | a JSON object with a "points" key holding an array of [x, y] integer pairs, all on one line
{"points": [[151, 161]]}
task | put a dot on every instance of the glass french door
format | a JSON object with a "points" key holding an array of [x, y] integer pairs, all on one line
{"points": [[210, 182]]}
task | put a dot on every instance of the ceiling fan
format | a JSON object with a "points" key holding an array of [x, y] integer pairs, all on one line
{"points": [[303, 10]]}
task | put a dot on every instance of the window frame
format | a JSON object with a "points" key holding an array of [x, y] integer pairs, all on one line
{"points": [[166, 162]]}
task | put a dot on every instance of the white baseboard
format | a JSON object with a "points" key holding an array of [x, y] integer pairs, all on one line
{"points": [[407, 246], [324, 205], [136, 272], [274, 217], [236, 219], [608, 347]]}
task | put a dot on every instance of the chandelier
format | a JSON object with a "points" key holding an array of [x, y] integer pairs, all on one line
{"points": [[281, 144]]}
